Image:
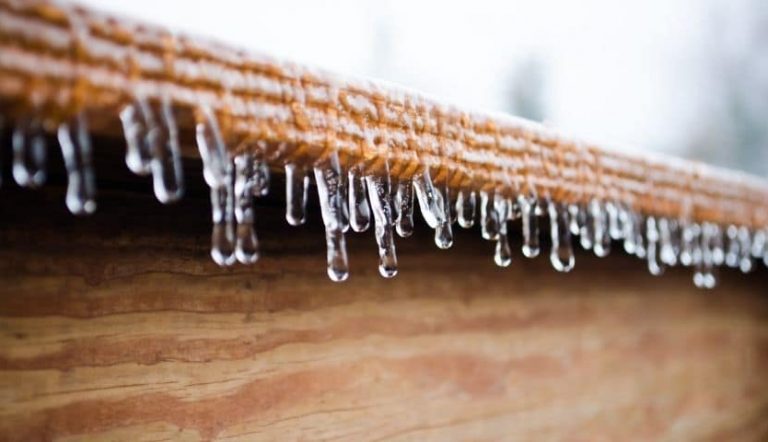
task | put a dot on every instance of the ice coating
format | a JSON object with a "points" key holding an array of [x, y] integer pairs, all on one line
{"points": [[29, 153], [75, 143]]}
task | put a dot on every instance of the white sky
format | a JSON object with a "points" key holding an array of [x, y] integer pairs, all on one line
{"points": [[619, 72]]}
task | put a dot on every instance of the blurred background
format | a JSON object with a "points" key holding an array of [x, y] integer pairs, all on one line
{"points": [[684, 77]]}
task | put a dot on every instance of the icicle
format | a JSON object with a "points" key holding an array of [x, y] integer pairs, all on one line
{"points": [[449, 200], [514, 212], [329, 180], [745, 249], [758, 243], [586, 224], [380, 195], [246, 180], [343, 187], [296, 184], [489, 222], [2, 135], [573, 219], [561, 255], [653, 251], [614, 221], [733, 253], [261, 171], [430, 201], [628, 230], [667, 252], [223, 217], [639, 241], [76, 149], [404, 203], [466, 201], [704, 276], [503, 254], [717, 245], [138, 154], [602, 240], [530, 225], [443, 230], [359, 213], [210, 143], [167, 171], [689, 235], [29, 153]]}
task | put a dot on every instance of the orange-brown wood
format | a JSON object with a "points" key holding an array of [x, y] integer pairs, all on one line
{"points": [[119, 327]]}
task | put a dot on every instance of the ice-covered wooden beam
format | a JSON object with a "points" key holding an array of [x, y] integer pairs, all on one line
{"points": [[57, 60]]}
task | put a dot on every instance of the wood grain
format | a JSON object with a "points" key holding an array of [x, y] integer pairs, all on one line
{"points": [[119, 327]]}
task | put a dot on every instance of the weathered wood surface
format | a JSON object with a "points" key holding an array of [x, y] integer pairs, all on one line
{"points": [[119, 327]]}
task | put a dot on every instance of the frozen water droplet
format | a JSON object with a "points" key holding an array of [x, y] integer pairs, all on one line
{"points": [[561, 255], [329, 180], [246, 180], [296, 184], [655, 263], [733, 253], [167, 171], [614, 221], [138, 154], [466, 201], [503, 254], [29, 153], [380, 195], [75, 144], [223, 217], [430, 201], [602, 240], [210, 143], [745, 249], [404, 203], [489, 220], [359, 213], [530, 226], [443, 230]]}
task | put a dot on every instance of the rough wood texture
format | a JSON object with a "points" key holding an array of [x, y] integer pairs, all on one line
{"points": [[119, 327]]}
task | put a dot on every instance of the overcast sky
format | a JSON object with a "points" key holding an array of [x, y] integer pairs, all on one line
{"points": [[624, 73]]}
